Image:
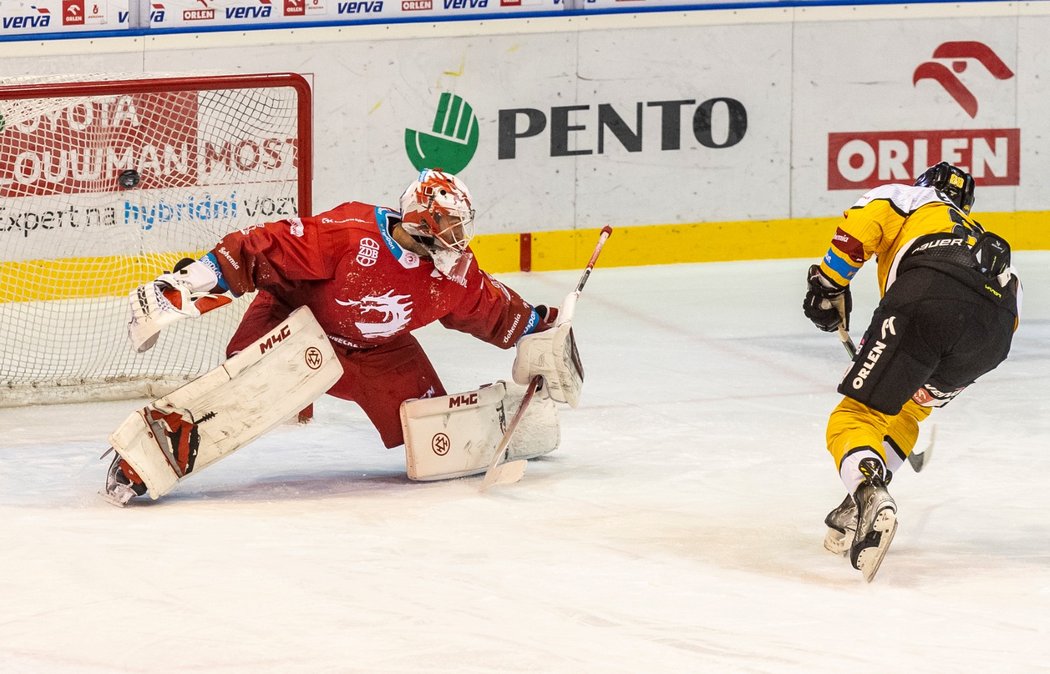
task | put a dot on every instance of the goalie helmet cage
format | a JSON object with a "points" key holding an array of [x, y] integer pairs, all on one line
{"points": [[106, 182]]}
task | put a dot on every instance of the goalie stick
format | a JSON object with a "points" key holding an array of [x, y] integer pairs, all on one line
{"points": [[917, 460], [509, 472]]}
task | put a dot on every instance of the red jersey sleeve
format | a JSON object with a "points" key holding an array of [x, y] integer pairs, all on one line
{"points": [[490, 310], [279, 254]]}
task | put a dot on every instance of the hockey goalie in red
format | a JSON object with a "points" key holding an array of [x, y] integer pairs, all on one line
{"points": [[369, 276]]}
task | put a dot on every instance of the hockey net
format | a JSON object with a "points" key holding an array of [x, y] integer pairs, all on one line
{"points": [[105, 183]]}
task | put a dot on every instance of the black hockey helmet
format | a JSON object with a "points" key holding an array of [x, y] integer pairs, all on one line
{"points": [[952, 181]]}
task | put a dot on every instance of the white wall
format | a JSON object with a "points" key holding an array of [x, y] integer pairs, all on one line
{"points": [[801, 74]]}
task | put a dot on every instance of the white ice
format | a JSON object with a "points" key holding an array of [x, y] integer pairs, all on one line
{"points": [[678, 528]]}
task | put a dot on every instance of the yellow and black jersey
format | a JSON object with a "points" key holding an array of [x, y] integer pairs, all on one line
{"points": [[884, 222]]}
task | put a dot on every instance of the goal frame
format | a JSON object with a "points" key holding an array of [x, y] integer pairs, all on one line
{"points": [[132, 83]]}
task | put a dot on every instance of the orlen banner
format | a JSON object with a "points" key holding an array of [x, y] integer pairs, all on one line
{"points": [[910, 95], [61, 16], [121, 169]]}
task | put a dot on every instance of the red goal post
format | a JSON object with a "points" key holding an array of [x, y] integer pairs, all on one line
{"points": [[107, 181]]}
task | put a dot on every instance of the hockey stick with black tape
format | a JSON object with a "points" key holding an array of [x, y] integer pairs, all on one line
{"points": [[509, 472], [917, 460]]}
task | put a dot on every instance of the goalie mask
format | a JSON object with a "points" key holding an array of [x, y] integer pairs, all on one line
{"points": [[951, 181], [438, 212]]}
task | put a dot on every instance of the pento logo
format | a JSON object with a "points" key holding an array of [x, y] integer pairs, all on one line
{"points": [[453, 138], [960, 54]]}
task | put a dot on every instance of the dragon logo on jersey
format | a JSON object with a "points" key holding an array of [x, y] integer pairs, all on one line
{"points": [[395, 312], [452, 141]]}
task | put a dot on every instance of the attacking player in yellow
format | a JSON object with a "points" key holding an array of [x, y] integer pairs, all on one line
{"points": [[949, 308]]}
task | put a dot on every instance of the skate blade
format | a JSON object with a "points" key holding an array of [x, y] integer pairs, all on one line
{"points": [[837, 542], [870, 559], [112, 499]]}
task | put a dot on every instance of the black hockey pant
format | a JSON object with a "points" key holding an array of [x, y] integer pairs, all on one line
{"points": [[930, 336]]}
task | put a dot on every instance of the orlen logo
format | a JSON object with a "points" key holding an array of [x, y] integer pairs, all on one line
{"points": [[866, 159], [198, 14], [72, 12], [416, 5], [959, 53], [250, 12], [40, 19], [303, 7]]}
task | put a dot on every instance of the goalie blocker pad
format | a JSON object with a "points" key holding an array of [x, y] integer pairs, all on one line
{"points": [[457, 435], [228, 407]]}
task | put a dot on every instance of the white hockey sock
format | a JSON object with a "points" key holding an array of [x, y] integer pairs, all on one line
{"points": [[849, 471]]}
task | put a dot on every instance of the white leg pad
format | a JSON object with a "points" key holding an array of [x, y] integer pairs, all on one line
{"points": [[456, 435], [230, 406]]}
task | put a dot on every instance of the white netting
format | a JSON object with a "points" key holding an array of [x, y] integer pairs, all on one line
{"points": [[106, 184]]}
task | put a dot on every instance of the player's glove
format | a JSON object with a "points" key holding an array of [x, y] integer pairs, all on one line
{"points": [[827, 304], [186, 292], [548, 317]]}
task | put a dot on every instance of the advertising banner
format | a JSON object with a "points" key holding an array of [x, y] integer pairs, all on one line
{"points": [[557, 130], [201, 13], [31, 17], [109, 174], [881, 101], [45, 17]]}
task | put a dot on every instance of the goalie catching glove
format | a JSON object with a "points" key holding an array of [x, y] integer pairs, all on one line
{"points": [[187, 292], [552, 355]]}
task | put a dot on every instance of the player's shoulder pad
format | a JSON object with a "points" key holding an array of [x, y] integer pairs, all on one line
{"points": [[905, 199]]}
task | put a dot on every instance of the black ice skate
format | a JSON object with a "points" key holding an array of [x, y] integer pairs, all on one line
{"points": [[842, 524], [842, 527], [876, 520], [119, 487]]}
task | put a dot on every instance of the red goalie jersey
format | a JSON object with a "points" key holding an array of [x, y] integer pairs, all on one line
{"points": [[369, 294]]}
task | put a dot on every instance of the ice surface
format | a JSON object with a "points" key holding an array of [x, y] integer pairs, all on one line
{"points": [[677, 529]]}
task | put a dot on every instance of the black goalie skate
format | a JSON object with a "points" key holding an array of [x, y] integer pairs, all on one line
{"points": [[876, 520]]}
